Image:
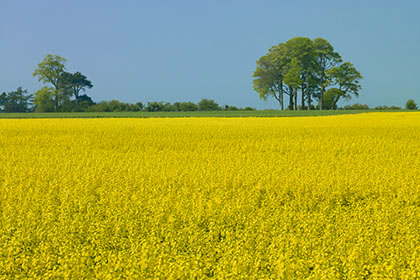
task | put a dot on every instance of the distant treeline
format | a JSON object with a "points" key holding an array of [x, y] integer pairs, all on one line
{"points": [[203, 105], [19, 101]]}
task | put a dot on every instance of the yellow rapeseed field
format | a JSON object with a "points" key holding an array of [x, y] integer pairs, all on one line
{"points": [[333, 197]]}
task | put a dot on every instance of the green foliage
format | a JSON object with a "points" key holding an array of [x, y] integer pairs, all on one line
{"points": [[292, 77], [347, 79], [50, 70], [16, 101], [115, 106], [324, 59], [44, 100], [100, 107], [159, 107], [302, 50], [230, 108], [85, 100], [331, 97], [385, 108], [356, 106], [185, 106], [72, 84], [411, 105], [208, 105], [393, 107], [270, 72]]}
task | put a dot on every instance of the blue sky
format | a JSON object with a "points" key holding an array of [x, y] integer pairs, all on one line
{"points": [[136, 50]]}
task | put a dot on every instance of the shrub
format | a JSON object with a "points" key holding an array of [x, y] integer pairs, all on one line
{"points": [[381, 108], [185, 106], [356, 106], [208, 105], [384, 108], [411, 105], [231, 108]]}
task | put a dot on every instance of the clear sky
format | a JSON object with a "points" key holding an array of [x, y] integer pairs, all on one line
{"points": [[136, 50]]}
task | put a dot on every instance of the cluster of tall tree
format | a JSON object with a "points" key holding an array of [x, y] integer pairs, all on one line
{"points": [[63, 86], [311, 67], [18, 101]]}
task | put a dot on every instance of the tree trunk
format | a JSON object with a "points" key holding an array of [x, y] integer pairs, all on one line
{"points": [[334, 105], [291, 98], [76, 97], [308, 93], [295, 93], [56, 101], [321, 98], [303, 99], [281, 97]]}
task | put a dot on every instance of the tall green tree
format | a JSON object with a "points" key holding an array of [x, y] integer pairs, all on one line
{"points": [[293, 80], [17, 101], [301, 50], [73, 84], [325, 59], [49, 71], [269, 74], [346, 80]]}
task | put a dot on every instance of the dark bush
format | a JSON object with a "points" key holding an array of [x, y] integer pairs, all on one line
{"points": [[356, 106], [411, 105], [208, 105]]}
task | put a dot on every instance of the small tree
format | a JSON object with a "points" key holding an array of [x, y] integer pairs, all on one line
{"points": [[185, 106], [84, 102], [136, 107], [208, 105], [158, 107], [100, 107], [356, 106], [411, 105], [44, 100]]}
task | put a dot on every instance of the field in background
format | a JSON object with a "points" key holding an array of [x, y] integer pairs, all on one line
{"points": [[225, 198], [259, 113]]}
